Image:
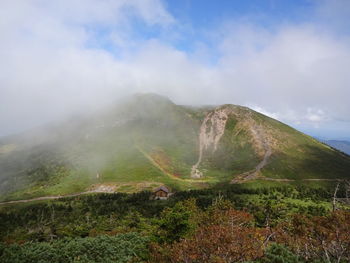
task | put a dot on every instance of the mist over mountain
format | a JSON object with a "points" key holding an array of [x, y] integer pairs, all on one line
{"points": [[285, 60], [147, 141]]}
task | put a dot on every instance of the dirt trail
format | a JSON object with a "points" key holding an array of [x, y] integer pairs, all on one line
{"points": [[53, 197], [286, 180], [259, 135], [100, 191]]}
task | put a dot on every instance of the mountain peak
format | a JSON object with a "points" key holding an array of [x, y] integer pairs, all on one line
{"points": [[148, 141], [151, 97]]}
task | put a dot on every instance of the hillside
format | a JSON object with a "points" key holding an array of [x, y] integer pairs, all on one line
{"points": [[148, 141]]}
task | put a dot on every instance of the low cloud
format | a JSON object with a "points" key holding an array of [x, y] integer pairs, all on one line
{"points": [[59, 58]]}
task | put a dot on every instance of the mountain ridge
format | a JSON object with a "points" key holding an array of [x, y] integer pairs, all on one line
{"points": [[148, 141]]}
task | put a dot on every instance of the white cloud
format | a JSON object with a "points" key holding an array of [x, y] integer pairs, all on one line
{"points": [[48, 68], [274, 115], [315, 115], [296, 68], [52, 66]]}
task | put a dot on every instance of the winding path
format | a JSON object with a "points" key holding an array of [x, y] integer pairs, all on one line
{"points": [[49, 197], [254, 174], [43, 198]]}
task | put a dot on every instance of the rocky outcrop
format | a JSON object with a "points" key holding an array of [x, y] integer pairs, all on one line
{"points": [[213, 128]]}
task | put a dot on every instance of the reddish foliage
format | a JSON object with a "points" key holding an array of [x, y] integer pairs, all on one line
{"points": [[218, 243], [227, 235], [224, 236], [325, 237]]}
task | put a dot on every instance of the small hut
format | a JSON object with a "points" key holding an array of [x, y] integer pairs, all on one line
{"points": [[161, 193]]}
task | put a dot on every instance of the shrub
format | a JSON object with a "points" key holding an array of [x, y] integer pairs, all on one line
{"points": [[104, 249], [277, 253]]}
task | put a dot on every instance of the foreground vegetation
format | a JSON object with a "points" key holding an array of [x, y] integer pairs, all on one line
{"points": [[226, 224]]}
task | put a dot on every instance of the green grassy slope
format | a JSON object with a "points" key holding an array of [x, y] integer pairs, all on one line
{"points": [[298, 156], [148, 141]]}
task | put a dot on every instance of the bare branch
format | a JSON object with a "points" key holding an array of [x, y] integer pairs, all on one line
{"points": [[335, 196]]}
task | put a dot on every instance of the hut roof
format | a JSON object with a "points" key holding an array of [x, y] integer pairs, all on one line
{"points": [[162, 188]]}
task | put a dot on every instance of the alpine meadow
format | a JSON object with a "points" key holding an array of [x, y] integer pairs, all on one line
{"points": [[149, 141]]}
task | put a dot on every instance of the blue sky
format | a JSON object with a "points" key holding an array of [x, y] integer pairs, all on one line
{"points": [[207, 13], [194, 18], [287, 59]]}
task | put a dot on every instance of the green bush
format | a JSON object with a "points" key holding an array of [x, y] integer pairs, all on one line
{"points": [[177, 222], [104, 249], [277, 253]]}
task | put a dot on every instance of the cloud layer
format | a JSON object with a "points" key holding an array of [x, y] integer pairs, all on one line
{"points": [[62, 57]]}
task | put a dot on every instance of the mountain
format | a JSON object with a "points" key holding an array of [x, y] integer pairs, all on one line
{"points": [[148, 141], [343, 146]]}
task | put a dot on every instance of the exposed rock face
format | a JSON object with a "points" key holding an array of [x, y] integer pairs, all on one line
{"points": [[213, 128]]}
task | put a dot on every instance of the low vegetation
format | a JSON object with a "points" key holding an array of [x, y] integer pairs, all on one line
{"points": [[236, 223]]}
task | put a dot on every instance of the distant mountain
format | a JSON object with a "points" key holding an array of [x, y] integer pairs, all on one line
{"points": [[343, 146], [148, 141]]}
